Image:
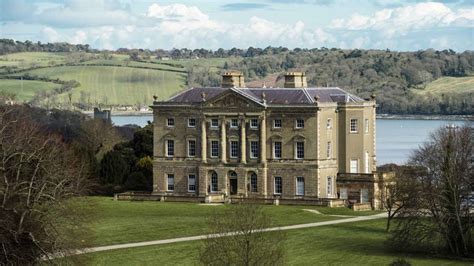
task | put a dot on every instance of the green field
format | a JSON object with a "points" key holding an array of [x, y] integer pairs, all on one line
{"points": [[25, 90], [448, 85], [360, 243], [117, 85], [26, 60], [116, 222]]}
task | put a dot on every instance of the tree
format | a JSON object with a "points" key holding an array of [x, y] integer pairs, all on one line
{"points": [[39, 172], [236, 238], [441, 219]]}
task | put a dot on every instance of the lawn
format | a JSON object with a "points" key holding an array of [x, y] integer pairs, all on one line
{"points": [[117, 85], [449, 85], [25, 90], [360, 243], [116, 222]]}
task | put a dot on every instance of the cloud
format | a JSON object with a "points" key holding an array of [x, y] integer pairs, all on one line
{"points": [[401, 20], [242, 6], [51, 34]]}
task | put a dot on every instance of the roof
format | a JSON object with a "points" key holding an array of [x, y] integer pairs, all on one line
{"points": [[273, 96]]}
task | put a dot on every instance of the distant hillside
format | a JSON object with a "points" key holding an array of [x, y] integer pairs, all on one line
{"points": [[422, 82], [448, 85]]}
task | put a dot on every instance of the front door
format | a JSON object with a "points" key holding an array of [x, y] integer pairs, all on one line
{"points": [[233, 186]]}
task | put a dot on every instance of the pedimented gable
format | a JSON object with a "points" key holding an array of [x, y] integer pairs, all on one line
{"points": [[233, 99]]}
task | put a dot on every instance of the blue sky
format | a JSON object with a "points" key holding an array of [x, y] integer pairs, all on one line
{"points": [[110, 24]]}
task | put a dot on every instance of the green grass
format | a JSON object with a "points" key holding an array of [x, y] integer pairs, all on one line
{"points": [[344, 211], [116, 222], [25, 90], [25, 60], [361, 243], [449, 85], [117, 85]]}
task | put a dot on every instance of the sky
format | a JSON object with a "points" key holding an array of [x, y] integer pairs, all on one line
{"points": [[402, 25]]}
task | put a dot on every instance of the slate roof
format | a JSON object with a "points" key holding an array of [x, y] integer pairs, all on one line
{"points": [[273, 96]]}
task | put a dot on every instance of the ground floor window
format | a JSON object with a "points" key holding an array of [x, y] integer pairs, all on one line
{"points": [[300, 185], [191, 183], [214, 182], [329, 186], [278, 185], [170, 182], [253, 182]]}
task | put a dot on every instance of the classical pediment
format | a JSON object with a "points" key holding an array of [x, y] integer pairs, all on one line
{"points": [[234, 100]]}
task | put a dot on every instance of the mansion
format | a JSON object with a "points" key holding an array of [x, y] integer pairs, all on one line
{"points": [[294, 143]]}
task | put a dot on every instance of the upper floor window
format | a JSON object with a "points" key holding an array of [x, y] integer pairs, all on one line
{"points": [[366, 125], [354, 166], [299, 150], [214, 148], [353, 126], [170, 148], [214, 122], [300, 185], [329, 123], [277, 123], [254, 123], [253, 149], [277, 149], [329, 150], [192, 122], [253, 183], [234, 149], [191, 148], [278, 185], [234, 123], [170, 183], [299, 123], [191, 183], [170, 122]]}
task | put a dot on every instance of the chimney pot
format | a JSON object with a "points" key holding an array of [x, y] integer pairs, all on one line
{"points": [[295, 79], [233, 79]]}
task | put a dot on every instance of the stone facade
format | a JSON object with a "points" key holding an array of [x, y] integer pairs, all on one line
{"points": [[240, 142]]}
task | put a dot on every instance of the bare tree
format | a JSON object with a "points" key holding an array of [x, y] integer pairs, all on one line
{"points": [[442, 219], [38, 172], [238, 240]]}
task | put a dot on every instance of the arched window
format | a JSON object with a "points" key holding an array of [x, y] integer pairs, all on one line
{"points": [[214, 182], [232, 175], [253, 182]]}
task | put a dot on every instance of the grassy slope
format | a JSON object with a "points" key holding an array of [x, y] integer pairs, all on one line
{"points": [[117, 222], [449, 85], [26, 91], [361, 243], [117, 85], [24, 60]]}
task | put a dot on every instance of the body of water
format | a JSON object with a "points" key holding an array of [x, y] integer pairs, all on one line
{"points": [[396, 138]]}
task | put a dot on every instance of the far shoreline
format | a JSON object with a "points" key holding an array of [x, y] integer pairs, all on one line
{"points": [[379, 116]]}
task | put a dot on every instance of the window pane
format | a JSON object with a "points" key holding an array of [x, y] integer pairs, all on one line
{"points": [[299, 123], [170, 182], [170, 147], [366, 125], [354, 166], [329, 150], [254, 123], [277, 149], [277, 123], [354, 125], [253, 183], [234, 149], [191, 122], [300, 185], [214, 122], [329, 187], [278, 185], [191, 148], [214, 148], [253, 149], [170, 122], [299, 150], [214, 182], [192, 183], [329, 123], [234, 123]]}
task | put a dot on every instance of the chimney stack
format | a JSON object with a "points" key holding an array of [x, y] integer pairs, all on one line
{"points": [[295, 79], [232, 79]]}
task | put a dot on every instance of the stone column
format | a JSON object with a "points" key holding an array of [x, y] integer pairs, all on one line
{"points": [[223, 141], [203, 140], [263, 139], [243, 142], [263, 152]]}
